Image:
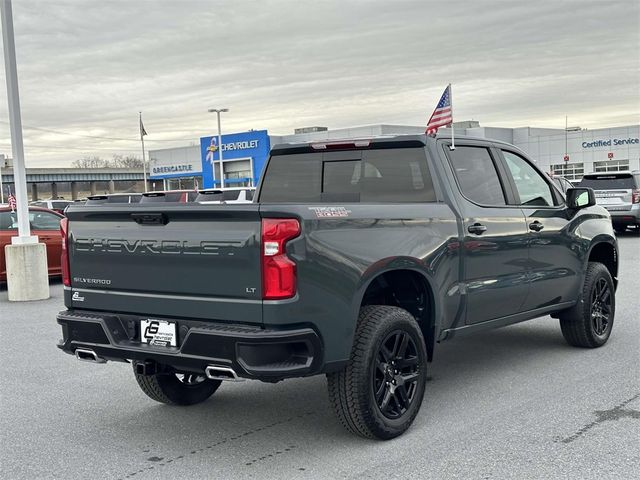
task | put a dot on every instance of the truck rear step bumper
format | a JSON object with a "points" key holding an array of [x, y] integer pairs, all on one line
{"points": [[251, 352]]}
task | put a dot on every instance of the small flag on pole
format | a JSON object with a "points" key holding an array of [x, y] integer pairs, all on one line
{"points": [[443, 114], [12, 201], [143, 132]]}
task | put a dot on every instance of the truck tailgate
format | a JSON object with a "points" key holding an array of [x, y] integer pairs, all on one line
{"points": [[195, 261]]}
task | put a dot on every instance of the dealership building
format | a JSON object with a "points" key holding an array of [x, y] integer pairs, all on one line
{"points": [[571, 152]]}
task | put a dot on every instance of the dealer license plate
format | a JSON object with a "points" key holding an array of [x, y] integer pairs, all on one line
{"points": [[158, 332]]}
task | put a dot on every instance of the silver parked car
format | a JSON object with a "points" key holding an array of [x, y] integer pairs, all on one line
{"points": [[619, 193]]}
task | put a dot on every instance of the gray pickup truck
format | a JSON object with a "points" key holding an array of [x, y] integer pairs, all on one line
{"points": [[356, 258]]}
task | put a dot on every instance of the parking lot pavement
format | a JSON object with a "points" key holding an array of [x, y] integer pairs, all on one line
{"points": [[511, 403]]}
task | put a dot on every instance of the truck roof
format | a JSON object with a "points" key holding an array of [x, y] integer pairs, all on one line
{"points": [[380, 141]]}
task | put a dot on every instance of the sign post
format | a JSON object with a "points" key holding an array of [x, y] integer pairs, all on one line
{"points": [[26, 259]]}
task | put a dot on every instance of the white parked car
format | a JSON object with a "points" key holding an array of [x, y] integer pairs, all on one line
{"points": [[227, 195], [55, 205]]}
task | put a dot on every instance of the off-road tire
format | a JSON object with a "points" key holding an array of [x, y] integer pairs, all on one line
{"points": [[577, 323], [351, 391], [167, 388]]}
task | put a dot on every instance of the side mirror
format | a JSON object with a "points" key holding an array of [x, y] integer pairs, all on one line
{"points": [[580, 197]]}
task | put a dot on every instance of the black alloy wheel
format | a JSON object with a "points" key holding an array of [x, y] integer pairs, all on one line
{"points": [[589, 322], [380, 391], [395, 377], [600, 306]]}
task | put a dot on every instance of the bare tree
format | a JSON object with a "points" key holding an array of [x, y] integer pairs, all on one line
{"points": [[118, 161], [126, 161], [91, 162]]}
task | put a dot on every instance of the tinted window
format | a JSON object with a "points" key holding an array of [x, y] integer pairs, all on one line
{"points": [[191, 196], [209, 196], [292, 178], [385, 175], [341, 181], [118, 199], [249, 194], [609, 182], [44, 221], [59, 205], [7, 220], [230, 195], [477, 175], [531, 186]]}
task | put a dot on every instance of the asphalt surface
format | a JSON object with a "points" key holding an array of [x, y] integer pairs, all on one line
{"points": [[511, 403]]}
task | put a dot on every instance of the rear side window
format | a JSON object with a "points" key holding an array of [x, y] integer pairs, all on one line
{"points": [[397, 175], [610, 182], [477, 175], [44, 221]]}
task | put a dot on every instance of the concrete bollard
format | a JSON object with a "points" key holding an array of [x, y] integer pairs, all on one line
{"points": [[27, 272]]}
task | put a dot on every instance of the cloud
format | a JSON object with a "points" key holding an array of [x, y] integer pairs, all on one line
{"points": [[89, 67]]}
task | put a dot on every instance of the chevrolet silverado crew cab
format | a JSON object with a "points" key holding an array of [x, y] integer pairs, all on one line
{"points": [[356, 258]]}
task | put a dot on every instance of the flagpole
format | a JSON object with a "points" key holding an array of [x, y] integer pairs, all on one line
{"points": [[453, 136], [144, 162]]}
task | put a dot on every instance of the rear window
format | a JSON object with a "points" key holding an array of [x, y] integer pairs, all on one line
{"points": [[610, 182], [156, 197], [387, 175], [230, 195], [59, 205]]}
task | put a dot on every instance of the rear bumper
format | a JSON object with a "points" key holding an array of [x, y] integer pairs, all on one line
{"points": [[626, 217], [252, 352]]}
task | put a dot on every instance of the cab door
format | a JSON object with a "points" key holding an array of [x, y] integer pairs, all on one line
{"points": [[554, 262], [495, 251], [46, 225]]}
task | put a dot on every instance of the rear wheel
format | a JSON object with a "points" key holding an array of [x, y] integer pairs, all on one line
{"points": [[379, 393], [588, 324], [177, 388]]}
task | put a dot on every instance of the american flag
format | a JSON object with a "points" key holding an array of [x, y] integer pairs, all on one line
{"points": [[443, 114], [12, 201]]}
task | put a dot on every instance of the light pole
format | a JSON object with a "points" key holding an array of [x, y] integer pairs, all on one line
{"points": [[218, 111], [26, 259]]}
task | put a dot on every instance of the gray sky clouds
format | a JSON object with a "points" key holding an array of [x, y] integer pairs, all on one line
{"points": [[88, 67]]}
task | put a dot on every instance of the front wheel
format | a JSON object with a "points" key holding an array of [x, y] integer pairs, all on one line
{"points": [[177, 388], [588, 324], [379, 393]]}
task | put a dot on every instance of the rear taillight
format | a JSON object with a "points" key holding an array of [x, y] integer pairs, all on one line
{"points": [[64, 258], [635, 196], [278, 271]]}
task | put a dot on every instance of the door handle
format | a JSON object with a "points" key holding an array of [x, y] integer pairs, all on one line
{"points": [[536, 226], [477, 228]]}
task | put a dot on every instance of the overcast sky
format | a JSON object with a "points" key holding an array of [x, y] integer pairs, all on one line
{"points": [[86, 68]]}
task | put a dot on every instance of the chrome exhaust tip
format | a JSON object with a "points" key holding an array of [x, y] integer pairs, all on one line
{"points": [[87, 355], [215, 372]]}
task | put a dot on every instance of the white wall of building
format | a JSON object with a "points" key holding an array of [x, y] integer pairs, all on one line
{"points": [[588, 150]]}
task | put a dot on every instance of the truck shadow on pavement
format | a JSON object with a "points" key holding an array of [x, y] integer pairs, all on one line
{"points": [[273, 421]]}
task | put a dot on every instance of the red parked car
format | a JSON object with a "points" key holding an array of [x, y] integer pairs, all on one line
{"points": [[45, 224]]}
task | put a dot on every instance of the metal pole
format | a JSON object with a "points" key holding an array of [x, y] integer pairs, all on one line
{"points": [[566, 133], [220, 151], [144, 162], [15, 126], [1, 186], [453, 136]]}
